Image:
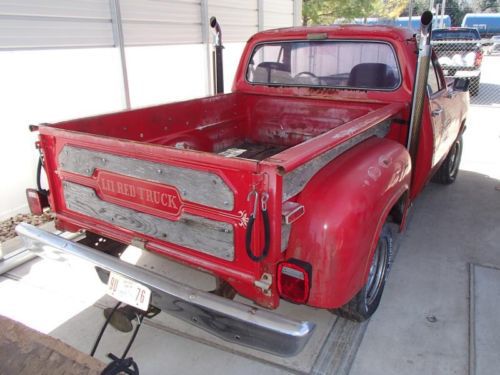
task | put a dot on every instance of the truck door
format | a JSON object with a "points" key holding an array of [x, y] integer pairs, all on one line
{"points": [[436, 89]]}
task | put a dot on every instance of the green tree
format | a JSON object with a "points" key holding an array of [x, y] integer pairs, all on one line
{"points": [[488, 6], [455, 9], [418, 8], [321, 12]]}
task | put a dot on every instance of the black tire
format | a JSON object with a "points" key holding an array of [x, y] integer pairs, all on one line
{"points": [[362, 306], [448, 171], [474, 85]]}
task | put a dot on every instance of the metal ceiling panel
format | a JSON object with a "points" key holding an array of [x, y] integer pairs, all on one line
{"points": [[239, 20], [144, 34], [278, 13], [32, 24], [151, 22], [96, 9], [279, 6], [47, 33], [161, 11]]}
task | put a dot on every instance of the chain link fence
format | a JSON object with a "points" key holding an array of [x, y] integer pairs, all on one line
{"points": [[468, 46]]}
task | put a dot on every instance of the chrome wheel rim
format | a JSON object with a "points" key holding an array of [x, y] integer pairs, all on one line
{"points": [[453, 165], [376, 276]]}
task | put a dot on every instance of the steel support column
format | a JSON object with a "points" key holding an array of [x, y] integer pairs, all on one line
{"points": [[116, 20]]}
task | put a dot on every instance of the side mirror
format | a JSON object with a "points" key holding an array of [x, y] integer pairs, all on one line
{"points": [[461, 84]]}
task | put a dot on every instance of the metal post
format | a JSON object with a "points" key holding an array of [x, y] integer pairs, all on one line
{"points": [[410, 13], [297, 12], [116, 21], [208, 48], [443, 9], [260, 14]]}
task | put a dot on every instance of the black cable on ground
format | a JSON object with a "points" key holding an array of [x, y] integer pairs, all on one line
{"points": [[99, 337]]}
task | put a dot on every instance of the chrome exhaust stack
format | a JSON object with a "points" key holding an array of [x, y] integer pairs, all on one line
{"points": [[420, 84], [217, 57]]}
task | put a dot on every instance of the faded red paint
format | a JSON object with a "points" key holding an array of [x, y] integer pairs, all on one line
{"points": [[145, 196]]}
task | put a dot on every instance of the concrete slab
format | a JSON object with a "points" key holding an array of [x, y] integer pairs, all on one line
{"points": [[485, 338], [66, 299], [422, 325], [15, 244]]}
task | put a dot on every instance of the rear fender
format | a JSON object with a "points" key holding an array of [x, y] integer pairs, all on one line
{"points": [[346, 204]]}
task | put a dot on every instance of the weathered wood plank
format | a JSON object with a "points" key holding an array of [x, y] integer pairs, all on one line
{"points": [[201, 187], [194, 232], [296, 180]]}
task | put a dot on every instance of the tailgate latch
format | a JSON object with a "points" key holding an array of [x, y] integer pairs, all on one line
{"points": [[264, 283]]}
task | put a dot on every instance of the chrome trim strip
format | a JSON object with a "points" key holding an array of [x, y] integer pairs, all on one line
{"points": [[231, 321], [296, 180]]}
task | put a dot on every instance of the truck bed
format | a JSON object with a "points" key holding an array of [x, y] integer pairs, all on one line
{"points": [[234, 125]]}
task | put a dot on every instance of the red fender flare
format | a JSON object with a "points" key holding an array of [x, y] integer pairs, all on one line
{"points": [[346, 204]]}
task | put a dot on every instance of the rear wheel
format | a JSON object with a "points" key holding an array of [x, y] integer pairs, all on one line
{"points": [[448, 171], [364, 304]]}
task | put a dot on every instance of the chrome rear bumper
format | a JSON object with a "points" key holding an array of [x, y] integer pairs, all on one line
{"points": [[232, 321]]}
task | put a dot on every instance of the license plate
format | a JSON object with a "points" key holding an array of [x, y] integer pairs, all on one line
{"points": [[128, 291]]}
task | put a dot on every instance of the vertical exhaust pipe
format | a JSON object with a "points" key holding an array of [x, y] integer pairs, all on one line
{"points": [[217, 57], [420, 84]]}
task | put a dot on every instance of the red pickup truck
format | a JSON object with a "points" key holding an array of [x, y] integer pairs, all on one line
{"points": [[283, 189]]}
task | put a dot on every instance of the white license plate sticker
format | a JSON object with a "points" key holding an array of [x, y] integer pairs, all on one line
{"points": [[128, 291]]}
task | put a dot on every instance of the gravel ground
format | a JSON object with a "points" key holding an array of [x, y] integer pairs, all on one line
{"points": [[7, 227]]}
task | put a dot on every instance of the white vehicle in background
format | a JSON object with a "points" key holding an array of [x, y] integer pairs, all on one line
{"points": [[459, 52], [495, 45]]}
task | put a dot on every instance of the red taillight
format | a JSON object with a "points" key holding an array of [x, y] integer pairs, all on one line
{"points": [[36, 201], [479, 58], [294, 280]]}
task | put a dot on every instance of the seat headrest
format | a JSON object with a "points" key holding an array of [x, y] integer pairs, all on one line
{"points": [[372, 75]]}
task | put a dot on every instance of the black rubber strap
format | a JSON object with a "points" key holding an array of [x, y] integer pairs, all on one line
{"points": [[267, 237], [39, 178], [99, 337], [120, 365]]}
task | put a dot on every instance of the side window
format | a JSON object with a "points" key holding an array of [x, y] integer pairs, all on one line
{"points": [[433, 83]]}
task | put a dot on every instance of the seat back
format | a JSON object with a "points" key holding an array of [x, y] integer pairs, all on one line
{"points": [[272, 72], [372, 75]]}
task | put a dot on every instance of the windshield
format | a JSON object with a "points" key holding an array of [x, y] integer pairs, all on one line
{"points": [[365, 65], [455, 35]]}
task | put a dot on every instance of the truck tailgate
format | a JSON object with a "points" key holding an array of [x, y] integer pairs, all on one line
{"points": [[191, 206]]}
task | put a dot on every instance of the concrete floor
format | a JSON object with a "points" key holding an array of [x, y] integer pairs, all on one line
{"points": [[438, 314], [422, 325]]}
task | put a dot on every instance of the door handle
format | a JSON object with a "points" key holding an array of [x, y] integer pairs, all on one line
{"points": [[437, 112]]}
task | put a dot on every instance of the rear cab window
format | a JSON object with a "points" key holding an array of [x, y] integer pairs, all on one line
{"points": [[455, 34], [337, 64]]}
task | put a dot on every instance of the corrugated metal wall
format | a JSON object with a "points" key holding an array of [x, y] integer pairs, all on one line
{"points": [[278, 13], [55, 23], [147, 22], [30, 24], [238, 19]]}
